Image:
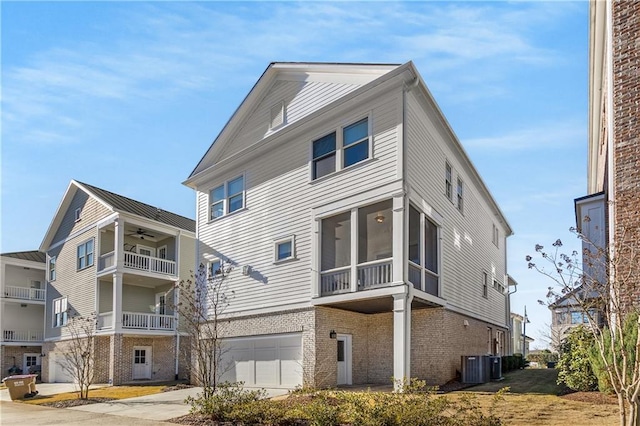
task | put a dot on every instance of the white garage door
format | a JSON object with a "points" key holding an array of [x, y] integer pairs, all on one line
{"points": [[58, 373], [270, 362]]}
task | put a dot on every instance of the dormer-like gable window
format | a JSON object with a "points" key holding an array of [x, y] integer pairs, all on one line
{"points": [[278, 116]]}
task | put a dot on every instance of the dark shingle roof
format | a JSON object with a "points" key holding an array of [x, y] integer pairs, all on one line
{"points": [[128, 205], [33, 255]]}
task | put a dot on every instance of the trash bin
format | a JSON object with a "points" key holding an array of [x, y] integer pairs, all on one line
{"points": [[21, 386]]}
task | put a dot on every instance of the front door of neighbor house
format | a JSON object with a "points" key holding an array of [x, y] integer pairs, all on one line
{"points": [[141, 362], [344, 359], [28, 361]]}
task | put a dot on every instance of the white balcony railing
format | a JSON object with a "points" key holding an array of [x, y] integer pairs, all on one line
{"points": [[374, 274], [22, 335], [150, 264], [24, 293], [335, 281], [138, 321]]}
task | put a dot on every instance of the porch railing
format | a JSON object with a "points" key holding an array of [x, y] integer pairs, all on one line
{"points": [[25, 293], [335, 281], [149, 264], [105, 320], [374, 274], [430, 284], [22, 335], [106, 260], [138, 321]]}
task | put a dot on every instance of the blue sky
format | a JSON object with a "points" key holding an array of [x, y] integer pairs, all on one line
{"points": [[128, 96]]}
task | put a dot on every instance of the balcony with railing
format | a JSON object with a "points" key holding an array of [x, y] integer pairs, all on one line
{"points": [[138, 321], [23, 336], [138, 262], [24, 293]]}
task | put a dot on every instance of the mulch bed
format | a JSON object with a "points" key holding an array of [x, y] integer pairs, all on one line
{"points": [[75, 402]]}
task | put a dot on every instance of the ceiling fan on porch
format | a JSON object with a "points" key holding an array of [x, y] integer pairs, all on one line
{"points": [[140, 233]]}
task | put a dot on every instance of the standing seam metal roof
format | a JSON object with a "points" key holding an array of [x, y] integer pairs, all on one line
{"points": [[33, 255]]}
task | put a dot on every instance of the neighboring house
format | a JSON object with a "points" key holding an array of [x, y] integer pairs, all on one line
{"points": [[613, 200], [22, 283], [520, 340], [120, 259], [363, 243], [566, 314]]}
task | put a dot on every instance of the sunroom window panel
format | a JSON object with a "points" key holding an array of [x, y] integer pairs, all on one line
{"points": [[414, 235], [336, 241], [375, 231], [431, 246]]}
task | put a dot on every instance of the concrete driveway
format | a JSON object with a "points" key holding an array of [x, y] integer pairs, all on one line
{"points": [[152, 408]]}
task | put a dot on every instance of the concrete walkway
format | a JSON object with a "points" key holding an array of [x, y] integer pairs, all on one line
{"points": [[151, 408]]}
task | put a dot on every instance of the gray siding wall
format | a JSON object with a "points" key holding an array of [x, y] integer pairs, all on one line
{"points": [[92, 211], [279, 199], [467, 247], [300, 98]]}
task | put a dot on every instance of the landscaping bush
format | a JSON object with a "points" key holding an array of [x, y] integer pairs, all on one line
{"points": [[574, 366], [226, 402]]}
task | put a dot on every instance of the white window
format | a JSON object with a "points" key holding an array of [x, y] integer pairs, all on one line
{"points": [[278, 116], [59, 312], [85, 254], [341, 149], [485, 285], [52, 268], [162, 252], [460, 196], [215, 268], [496, 236], [226, 198], [448, 179], [145, 250], [78, 213], [285, 249]]}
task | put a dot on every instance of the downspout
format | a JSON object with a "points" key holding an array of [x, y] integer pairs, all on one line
{"points": [[611, 209], [515, 286]]}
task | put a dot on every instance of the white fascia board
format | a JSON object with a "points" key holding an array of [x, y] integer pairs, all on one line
{"points": [[23, 263]]}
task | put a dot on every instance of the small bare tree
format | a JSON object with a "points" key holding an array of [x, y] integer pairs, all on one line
{"points": [[602, 283], [202, 300], [79, 356]]}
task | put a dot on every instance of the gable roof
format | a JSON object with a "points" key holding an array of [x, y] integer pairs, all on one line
{"points": [[359, 73], [32, 255], [115, 203], [128, 205]]}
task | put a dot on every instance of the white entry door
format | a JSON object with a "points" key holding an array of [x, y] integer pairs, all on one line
{"points": [[28, 361], [141, 362], [344, 359]]}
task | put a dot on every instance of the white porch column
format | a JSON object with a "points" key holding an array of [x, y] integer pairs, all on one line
{"points": [[118, 243], [117, 302], [399, 246], [401, 336], [354, 250], [316, 260]]}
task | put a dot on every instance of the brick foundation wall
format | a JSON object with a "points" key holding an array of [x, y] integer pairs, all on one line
{"points": [[7, 354]]}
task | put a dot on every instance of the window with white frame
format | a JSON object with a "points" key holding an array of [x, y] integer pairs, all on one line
{"points": [[85, 254], [77, 214], [448, 179], [285, 249], [495, 236], [341, 149], [226, 198], [59, 312], [485, 285], [215, 268], [278, 117], [423, 252], [52, 268], [460, 195]]}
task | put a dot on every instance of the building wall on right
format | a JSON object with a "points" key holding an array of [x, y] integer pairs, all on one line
{"points": [[626, 131]]}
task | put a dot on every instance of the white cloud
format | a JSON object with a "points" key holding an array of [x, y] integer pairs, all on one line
{"points": [[542, 137]]}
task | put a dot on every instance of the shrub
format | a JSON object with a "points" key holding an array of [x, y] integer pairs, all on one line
{"points": [[229, 400], [574, 366]]}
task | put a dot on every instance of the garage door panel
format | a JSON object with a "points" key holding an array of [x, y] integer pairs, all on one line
{"points": [[264, 362]]}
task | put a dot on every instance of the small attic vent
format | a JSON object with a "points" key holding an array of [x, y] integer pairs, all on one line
{"points": [[277, 115]]}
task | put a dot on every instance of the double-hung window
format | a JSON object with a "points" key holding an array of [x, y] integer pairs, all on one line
{"points": [[448, 186], [341, 149], [226, 198], [59, 312], [215, 268], [460, 195], [52, 268], [85, 254]]}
